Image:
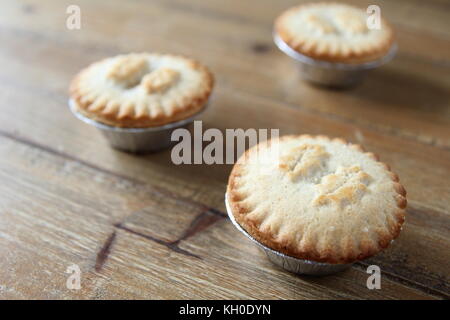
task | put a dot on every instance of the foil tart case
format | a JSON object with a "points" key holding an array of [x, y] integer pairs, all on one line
{"points": [[291, 264], [137, 140], [336, 75]]}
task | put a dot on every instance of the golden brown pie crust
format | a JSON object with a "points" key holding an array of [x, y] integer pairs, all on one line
{"points": [[124, 91], [338, 51], [348, 250]]}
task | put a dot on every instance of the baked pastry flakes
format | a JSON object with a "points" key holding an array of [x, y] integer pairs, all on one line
{"points": [[141, 90], [333, 32], [324, 200]]}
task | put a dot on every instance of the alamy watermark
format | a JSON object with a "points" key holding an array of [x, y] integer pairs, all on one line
{"points": [[73, 21], [374, 280], [374, 17], [212, 146], [73, 282]]}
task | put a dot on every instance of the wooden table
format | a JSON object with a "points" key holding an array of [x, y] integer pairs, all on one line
{"points": [[141, 227]]}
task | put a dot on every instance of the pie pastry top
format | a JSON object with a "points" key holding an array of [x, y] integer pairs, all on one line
{"points": [[323, 199], [333, 32], [141, 89]]}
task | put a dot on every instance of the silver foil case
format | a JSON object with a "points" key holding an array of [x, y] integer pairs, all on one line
{"points": [[291, 264], [329, 74], [137, 140]]}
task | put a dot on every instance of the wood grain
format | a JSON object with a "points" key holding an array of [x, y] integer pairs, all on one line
{"points": [[133, 248], [141, 227], [422, 114]]}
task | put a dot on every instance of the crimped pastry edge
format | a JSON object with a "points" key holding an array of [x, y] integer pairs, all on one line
{"points": [[192, 106], [239, 212], [352, 57]]}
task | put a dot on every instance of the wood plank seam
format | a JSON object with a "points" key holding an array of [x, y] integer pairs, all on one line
{"points": [[170, 245], [200, 223], [67, 156], [206, 218], [136, 182], [415, 209], [92, 166], [416, 58], [381, 130], [400, 26]]}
